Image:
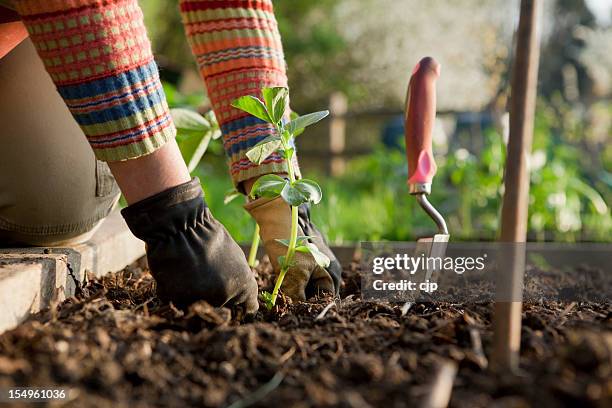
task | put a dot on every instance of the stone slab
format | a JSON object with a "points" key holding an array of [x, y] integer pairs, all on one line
{"points": [[30, 278]]}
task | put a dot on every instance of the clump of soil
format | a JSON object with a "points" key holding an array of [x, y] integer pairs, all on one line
{"points": [[115, 344]]}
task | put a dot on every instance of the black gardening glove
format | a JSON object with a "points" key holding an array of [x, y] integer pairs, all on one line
{"points": [[191, 255]]}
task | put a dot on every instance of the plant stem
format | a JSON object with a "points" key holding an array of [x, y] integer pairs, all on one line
{"points": [[278, 284], [254, 246], [292, 236], [290, 170], [288, 256]]}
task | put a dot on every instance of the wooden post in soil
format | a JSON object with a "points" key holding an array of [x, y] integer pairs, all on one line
{"points": [[508, 308], [338, 106]]}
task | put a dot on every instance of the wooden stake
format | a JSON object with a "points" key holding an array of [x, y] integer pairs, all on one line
{"points": [[442, 387], [507, 317], [338, 106]]}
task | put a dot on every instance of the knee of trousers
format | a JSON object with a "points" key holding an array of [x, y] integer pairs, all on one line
{"points": [[52, 188]]}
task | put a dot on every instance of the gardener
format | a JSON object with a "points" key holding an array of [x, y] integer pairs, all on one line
{"points": [[96, 53]]}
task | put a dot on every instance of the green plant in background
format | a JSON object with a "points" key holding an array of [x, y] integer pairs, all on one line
{"points": [[567, 191], [230, 196], [477, 187], [294, 192], [469, 194], [568, 195], [565, 204], [177, 99], [315, 50], [571, 180], [194, 134]]}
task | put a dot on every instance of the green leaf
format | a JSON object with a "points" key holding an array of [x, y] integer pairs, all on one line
{"points": [[303, 121], [268, 95], [267, 299], [293, 116], [230, 196], [193, 146], [280, 104], [275, 101], [281, 261], [254, 106], [269, 185], [285, 242], [310, 189], [183, 135], [216, 134], [298, 241], [189, 120], [214, 125], [260, 152], [287, 153], [210, 116], [198, 152], [293, 196], [320, 258], [286, 136], [591, 194]]}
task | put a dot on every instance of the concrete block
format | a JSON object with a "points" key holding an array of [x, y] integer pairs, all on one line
{"points": [[19, 292], [55, 276], [30, 278], [29, 283], [111, 249]]}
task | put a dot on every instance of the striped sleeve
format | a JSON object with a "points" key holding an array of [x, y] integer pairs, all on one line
{"points": [[238, 50], [98, 55]]}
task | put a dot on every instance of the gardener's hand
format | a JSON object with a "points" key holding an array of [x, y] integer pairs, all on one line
{"points": [[305, 278], [190, 254]]}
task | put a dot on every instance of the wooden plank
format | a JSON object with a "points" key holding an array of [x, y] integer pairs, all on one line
{"points": [[441, 388]]}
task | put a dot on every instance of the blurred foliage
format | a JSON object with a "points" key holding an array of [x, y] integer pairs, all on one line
{"points": [[562, 50], [567, 196], [572, 154], [194, 133], [177, 99], [165, 29], [371, 201], [315, 52], [366, 48]]}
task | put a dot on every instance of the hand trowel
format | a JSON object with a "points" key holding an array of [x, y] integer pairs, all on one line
{"points": [[419, 123]]}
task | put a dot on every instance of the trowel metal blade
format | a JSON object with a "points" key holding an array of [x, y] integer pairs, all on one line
{"points": [[432, 247]]}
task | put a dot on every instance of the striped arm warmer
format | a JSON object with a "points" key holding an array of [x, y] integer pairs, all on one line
{"points": [[98, 55], [238, 50]]}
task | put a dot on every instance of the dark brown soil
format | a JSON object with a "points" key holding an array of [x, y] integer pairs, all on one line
{"points": [[116, 345]]}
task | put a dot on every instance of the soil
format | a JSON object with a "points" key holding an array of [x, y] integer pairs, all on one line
{"points": [[115, 344]]}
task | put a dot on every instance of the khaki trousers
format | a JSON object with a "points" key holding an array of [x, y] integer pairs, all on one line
{"points": [[52, 189]]}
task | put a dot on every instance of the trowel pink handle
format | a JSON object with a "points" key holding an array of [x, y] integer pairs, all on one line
{"points": [[419, 122]]}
